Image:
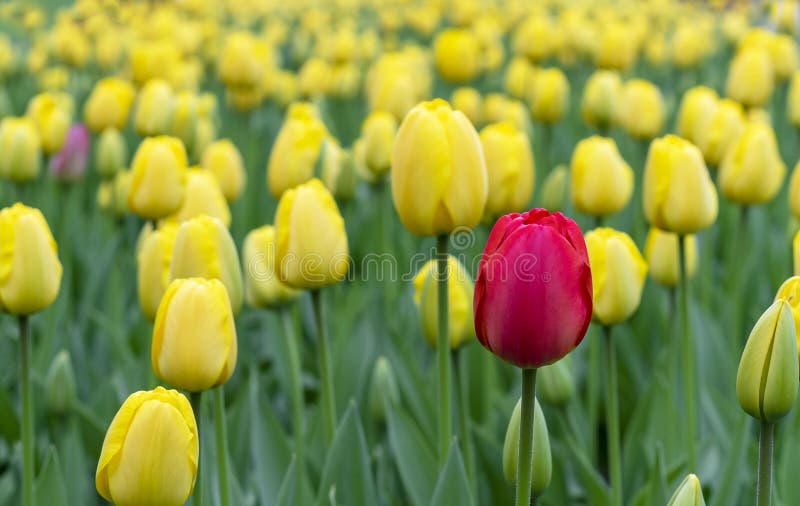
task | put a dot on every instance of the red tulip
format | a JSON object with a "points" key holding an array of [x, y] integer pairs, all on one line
{"points": [[533, 294]]}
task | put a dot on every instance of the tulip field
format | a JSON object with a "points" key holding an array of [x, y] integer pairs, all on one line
{"points": [[390, 253]]}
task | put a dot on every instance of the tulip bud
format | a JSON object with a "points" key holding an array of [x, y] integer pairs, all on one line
{"points": [[203, 196], [554, 383], [752, 171], [314, 78], [338, 170], [468, 100], [204, 248], [296, 149], [790, 292], [542, 469], [153, 258], [642, 114], [519, 74], [766, 382], [783, 54], [697, 105], [60, 389], [457, 54], [602, 182], [30, 272], [383, 389], [52, 114], [150, 451], [549, 95], [223, 159], [510, 168], [678, 193], [154, 108], [460, 289], [159, 169], [378, 131], [616, 48], [689, 493], [661, 252], [112, 195], [194, 338], [554, 189], [720, 130], [111, 153], [262, 287], [439, 179], [601, 100], [240, 60], [750, 77], [109, 104], [183, 121], [311, 250], [21, 148]]}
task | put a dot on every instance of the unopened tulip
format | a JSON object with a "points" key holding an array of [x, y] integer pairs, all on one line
{"points": [[205, 249], [241, 60], [697, 105], [109, 104], [314, 78], [184, 122], [720, 130], [383, 389], [150, 452], [262, 288], [766, 383], [311, 241], [457, 55], [339, 171], [661, 254], [69, 163], [154, 108], [460, 290], [510, 167], [790, 292], [602, 181], [642, 114], [378, 131], [20, 146], [153, 258], [112, 194], [618, 274], [554, 189], [203, 196], [783, 54], [439, 179], [679, 195], [224, 160], [554, 383], [602, 99], [52, 114], [750, 77], [518, 77], [159, 169], [111, 153], [469, 101], [296, 149], [533, 294], [30, 271], [752, 171], [616, 49], [60, 385], [549, 95], [542, 469], [688, 493], [194, 338]]}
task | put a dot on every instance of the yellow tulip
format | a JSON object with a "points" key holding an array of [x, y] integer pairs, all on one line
{"points": [[109, 104], [30, 272], [203, 196], [510, 168], [601, 100], [783, 53], [793, 100], [519, 74], [183, 121], [20, 146], [535, 38], [154, 108], [378, 132], [549, 95], [602, 181], [439, 179], [151, 60], [111, 153], [460, 288], [750, 77], [468, 100], [159, 170], [796, 254], [697, 105], [689, 45], [204, 248], [296, 149], [642, 114], [554, 189], [752, 171], [52, 114], [794, 191], [311, 241], [720, 130], [457, 55], [262, 288], [616, 48], [112, 194], [314, 78], [618, 274], [790, 292], [224, 160], [153, 258], [678, 193], [150, 451], [661, 252], [338, 169], [244, 99], [345, 80], [194, 337], [241, 60]]}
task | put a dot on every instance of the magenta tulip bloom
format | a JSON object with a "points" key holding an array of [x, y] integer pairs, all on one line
{"points": [[533, 294], [69, 164]]}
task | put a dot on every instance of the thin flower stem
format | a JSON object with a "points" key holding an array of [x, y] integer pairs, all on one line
{"points": [[297, 391], [28, 454], [196, 399], [462, 396], [525, 457], [222, 447], [612, 420], [765, 463], [325, 368], [443, 349], [688, 359]]}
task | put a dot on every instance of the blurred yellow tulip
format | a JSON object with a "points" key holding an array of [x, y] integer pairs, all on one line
{"points": [[154, 107], [751, 77], [661, 252], [549, 95], [378, 131], [601, 100], [602, 181], [642, 114], [153, 258], [296, 149], [719, 130], [20, 146], [457, 55], [262, 288], [468, 100], [52, 114], [752, 171], [697, 105], [159, 170], [203, 196], [510, 168], [223, 159], [109, 104], [460, 288]]}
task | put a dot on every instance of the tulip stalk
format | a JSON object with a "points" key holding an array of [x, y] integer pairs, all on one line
{"points": [[688, 356], [222, 447], [196, 399], [612, 420], [443, 349], [27, 412], [297, 390], [462, 395], [765, 443], [325, 367], [525, 458]]}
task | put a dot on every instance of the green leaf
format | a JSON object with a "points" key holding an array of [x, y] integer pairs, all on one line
{"points": [[453, 487], [49, 487], [727, 488], [285, 495], [490, 456], [592, 482], [347, 475], [415, 459], [9, 424]]}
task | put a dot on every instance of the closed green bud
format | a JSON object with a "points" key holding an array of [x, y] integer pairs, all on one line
{"points": [[542, 469], [383, 389], [767, 381], [111, 153], [554, 189], [338, 170], [60, 389], [689, 493], [554, 383]]}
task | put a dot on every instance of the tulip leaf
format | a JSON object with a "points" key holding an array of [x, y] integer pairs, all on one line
{"points": [[347, 474], [727, 487], [415, 459], [592, 482], [8, 486], [453, 486], [50, 488], [9, 424], [490, 456], [286, 493]]}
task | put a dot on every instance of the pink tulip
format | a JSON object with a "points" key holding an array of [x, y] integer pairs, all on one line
{"points": [[69, 164]]}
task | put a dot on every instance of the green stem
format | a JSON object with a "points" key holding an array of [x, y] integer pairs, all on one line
{"points": [[688, 359], [196, 399], [525, 458], [27, 412], [297, 391], [612, 420], [462, 394], [443, 349], [736, 270], [765, 463], [593, 394], [222, 447], [325, 367]]}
